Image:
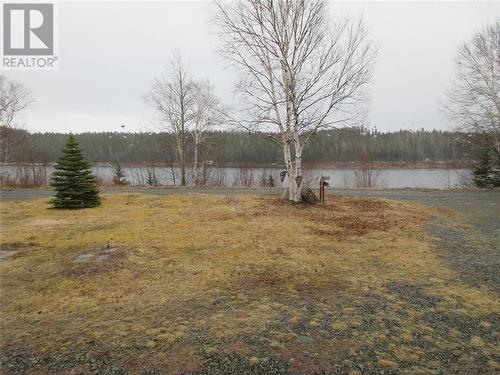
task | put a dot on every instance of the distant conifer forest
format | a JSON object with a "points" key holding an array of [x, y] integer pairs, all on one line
{"points": [[235, 148]]}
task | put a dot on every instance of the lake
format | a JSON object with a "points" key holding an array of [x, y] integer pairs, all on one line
{"points": [[435, 178], [339, 177]]}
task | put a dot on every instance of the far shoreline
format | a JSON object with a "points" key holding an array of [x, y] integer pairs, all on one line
{"points": [[452, 164]]}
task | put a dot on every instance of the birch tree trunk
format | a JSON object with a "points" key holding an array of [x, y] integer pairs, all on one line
{"points": [[182, 159], [195, 160], [292, 186], [298, 168]]}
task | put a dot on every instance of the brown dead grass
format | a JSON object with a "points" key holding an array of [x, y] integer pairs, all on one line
{"points": [[202, 275]]}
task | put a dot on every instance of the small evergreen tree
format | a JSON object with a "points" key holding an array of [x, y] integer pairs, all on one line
{"points": [[482, 173], [73, 180], [119, 178], [151, 179]]}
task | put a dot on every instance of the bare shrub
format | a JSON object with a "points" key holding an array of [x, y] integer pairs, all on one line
{"points": [[465, 180], [267, 179], [244, 177], [365, 175], [346, 181], [26, 175], [217, 177], [138, 176], [32, 175]]}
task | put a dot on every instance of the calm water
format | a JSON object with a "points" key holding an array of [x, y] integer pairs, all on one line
{"points": [[339, 178]]}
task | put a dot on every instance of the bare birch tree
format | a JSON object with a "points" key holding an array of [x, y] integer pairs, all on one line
{"points": [[300, 71], [204, 117], [173, 97], [474, 97], [15, 98]]}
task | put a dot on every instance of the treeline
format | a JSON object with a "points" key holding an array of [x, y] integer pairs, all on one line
{"points": [[239, 148]]}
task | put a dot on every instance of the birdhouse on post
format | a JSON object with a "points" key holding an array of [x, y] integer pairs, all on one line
{"points": [[282, 175], [298, 180]]}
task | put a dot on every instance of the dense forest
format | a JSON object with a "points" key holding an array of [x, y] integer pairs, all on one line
{"points": [[239, 148]]}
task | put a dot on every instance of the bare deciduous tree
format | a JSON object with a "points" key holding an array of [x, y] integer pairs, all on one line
{"points": [[300, 73], [204, 117], [366, 175], [189, 108], [173, 97], [474, 97], [14, 99]]}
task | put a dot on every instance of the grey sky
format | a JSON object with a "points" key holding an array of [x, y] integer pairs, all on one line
{"points": [[110, 52]]}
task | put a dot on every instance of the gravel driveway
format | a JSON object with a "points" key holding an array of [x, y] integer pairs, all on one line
{"points": [[473, 249]]}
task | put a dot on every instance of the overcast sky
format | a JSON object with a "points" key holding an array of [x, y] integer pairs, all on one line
{"points": [[109, 53]]}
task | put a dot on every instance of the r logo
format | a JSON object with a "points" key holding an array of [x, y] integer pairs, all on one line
{"points": [[28, 29]]}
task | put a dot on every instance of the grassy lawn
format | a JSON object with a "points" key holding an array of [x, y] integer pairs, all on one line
{"points": [[237, 284]]}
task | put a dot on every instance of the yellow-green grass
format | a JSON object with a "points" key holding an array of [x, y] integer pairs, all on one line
{"points": [[196, 277]]}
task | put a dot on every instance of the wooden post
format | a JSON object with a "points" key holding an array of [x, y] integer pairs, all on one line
{"points": [[321, 190], [322, 184]]}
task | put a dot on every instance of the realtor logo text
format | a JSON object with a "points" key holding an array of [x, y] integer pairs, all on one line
{"points": [[28, 36]]}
